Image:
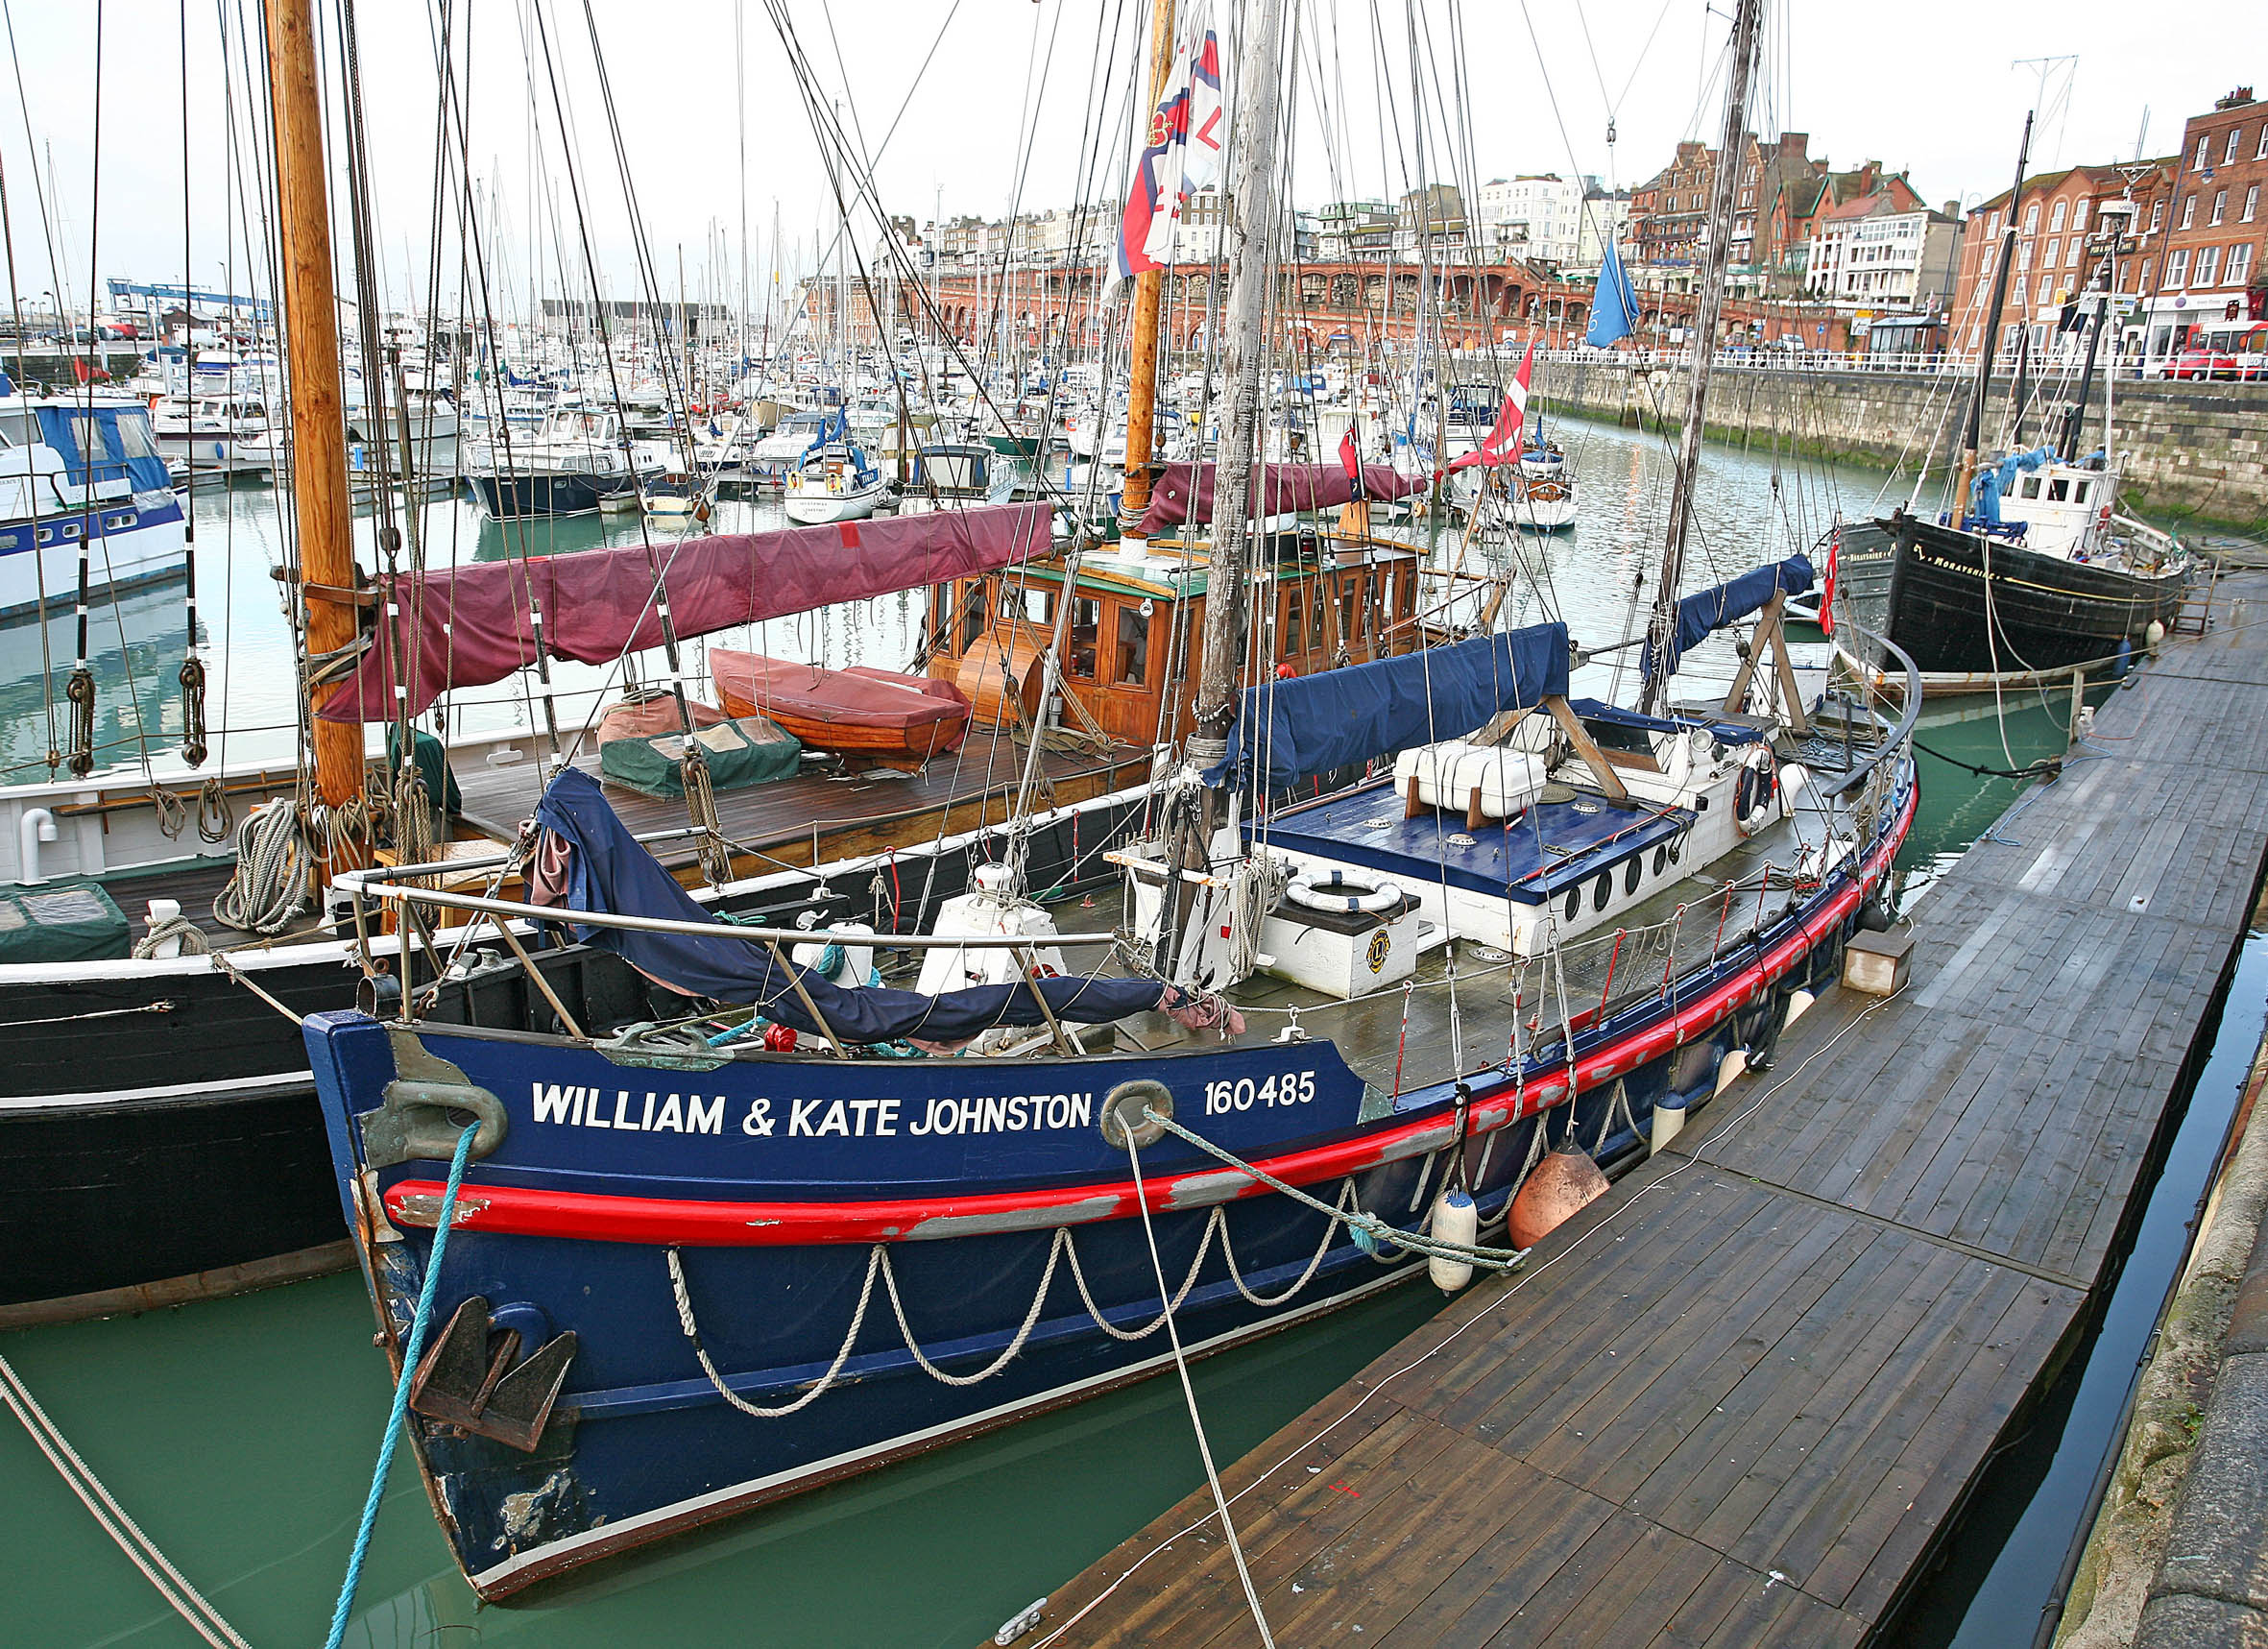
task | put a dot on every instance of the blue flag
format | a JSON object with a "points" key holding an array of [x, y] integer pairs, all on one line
{"points": [[1614, 306]]}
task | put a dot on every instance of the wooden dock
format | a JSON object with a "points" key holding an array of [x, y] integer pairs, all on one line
{"points": [[1740, 1399]]}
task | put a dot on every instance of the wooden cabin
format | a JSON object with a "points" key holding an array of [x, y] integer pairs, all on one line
{"points": [[1130, 649]]}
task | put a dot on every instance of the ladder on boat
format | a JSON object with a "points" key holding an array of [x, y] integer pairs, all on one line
{"points": [[2196, 616]]}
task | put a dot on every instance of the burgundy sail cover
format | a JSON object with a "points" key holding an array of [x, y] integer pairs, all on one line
{"points": [[1184, 493], [469, 625]]}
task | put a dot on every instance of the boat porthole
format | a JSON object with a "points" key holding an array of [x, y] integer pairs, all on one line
{"points": [[1602, 890], [1660, 858], [1574, 902], [1629, 877]]}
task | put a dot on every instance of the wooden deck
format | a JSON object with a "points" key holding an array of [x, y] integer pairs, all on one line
{"points": [[780, 824], [1740, 1399]]}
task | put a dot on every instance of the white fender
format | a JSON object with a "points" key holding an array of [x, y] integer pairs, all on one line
{"points": [[1455, 1221]]}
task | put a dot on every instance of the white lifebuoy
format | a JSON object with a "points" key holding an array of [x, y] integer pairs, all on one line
{"points": [[1337, 891], [1754, 790]]}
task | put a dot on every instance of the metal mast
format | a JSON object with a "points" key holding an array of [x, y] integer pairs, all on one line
{"points": [[1729, 162], [2000, 277]]}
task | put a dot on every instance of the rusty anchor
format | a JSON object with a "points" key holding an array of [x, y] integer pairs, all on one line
{"points": [[463, 1381]]}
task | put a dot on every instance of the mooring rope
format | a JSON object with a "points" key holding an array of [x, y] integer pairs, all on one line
{"points": [[413, 1352], [1189, 1394], [140, 1550]]}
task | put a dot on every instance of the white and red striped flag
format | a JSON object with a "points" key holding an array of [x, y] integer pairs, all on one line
{"points": [[1503, 443]]}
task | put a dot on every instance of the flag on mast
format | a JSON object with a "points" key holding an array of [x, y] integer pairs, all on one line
{"points": [[1504, 441], [1183, 151], [1614, 305]]}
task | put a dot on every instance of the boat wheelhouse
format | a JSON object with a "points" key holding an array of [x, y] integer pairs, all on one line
{"points": [[87, 505]]}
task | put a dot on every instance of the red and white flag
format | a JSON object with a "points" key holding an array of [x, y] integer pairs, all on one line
{"points": [[1181, 152], [1503, 443], [1351, 461]]}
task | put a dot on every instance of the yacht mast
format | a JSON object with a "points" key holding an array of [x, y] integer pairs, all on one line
{"points": [[1142, 392], [1967, 470], [1251, 226], [318, 415], [1729, 158]]}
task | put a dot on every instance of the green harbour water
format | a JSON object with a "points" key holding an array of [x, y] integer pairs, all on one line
{"points": [[240, 1433]]}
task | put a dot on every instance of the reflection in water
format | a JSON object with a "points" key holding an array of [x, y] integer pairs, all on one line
{"points": [[134, 651]]}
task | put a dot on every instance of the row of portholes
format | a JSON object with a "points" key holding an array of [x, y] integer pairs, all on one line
{"points": [[1634, 870]]}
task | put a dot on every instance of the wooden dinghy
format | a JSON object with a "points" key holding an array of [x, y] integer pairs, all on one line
{"points": [[871, 716]]}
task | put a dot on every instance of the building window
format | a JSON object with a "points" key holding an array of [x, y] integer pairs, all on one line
{"points": [[2220, 207], [2032, 218], [2240, 263], [2142, 277], [2079, 217], [2261, 153], [2252, 205], [2209, 265], [2176, 269], [2229, 155], [1994, 227], [2071, 253], [2055, 220], [2053, 246], [2156, 215], [2023, 256], [2198, 164], [2188, 210]]}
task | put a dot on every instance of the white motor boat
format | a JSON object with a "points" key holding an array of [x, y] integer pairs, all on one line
{"points": [[107, 504], [837, 481]]}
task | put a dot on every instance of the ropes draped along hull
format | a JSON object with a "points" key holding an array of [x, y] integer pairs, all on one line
{"points": [[1925, 586], [882, 1256]]}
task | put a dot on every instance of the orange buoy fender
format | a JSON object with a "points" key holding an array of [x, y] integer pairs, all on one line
{"points": [[1562, 1185]]}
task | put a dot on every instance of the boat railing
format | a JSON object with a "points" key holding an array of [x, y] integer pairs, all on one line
{"points": [[399, 883]]}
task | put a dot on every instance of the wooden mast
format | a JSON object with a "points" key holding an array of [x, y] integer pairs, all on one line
{"points": [[318, 415], [1729, 162], [1142, 394], [2000, 277], [1252, 224]]}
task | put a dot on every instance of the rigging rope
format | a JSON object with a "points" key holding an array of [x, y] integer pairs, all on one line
{"points": [[413, 1352]]}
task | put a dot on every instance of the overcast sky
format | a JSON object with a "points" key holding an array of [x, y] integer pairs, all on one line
{"points": [[1026, 99]]}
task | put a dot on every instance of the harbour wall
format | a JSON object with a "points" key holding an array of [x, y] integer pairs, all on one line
{"points": [[2196, 450]]}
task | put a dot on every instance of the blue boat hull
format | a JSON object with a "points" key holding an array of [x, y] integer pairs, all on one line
{"points": [[836, 1226]]}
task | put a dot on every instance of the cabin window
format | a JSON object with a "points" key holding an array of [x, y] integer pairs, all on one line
{"points": [[976, 612], [1630, 874], [2059, 491], [2029, 487], [1574, 902], [1086, 624], [19, 429], [2079, 492], [1133, 645], [1039, 607], [1295, 609], [1318, 636]]}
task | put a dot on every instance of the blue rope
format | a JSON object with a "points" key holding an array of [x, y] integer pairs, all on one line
{"points": [[411, 1353]]}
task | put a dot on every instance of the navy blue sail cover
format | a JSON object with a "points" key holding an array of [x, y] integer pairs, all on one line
{"points": [[1298, 728], [1707, 611], [609, 872]]}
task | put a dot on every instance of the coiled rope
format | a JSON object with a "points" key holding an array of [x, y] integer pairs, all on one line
{"points": [[193, 942], [140, 1550], [269, 890], [413, 1352]]}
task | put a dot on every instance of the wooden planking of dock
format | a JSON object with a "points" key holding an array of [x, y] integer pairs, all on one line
{"points": [[1739, 1399]]}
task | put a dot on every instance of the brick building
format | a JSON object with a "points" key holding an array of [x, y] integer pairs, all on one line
{"points": [[2208, 255]]}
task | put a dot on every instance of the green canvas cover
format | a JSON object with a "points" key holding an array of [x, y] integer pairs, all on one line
{"points": [[63, 921], [750, 751]]}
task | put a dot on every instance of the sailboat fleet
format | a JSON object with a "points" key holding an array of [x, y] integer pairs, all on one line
{"points": [[1251, 918]]}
